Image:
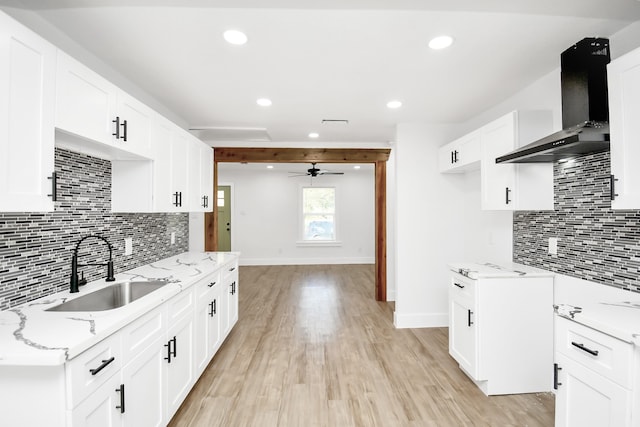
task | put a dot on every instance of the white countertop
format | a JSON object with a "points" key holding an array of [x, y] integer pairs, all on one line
{"points": [[620, 319], [477, 270], [29, 335]]}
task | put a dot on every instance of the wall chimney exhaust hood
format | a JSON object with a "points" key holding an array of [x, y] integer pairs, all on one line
{"points": [[585, 108]]}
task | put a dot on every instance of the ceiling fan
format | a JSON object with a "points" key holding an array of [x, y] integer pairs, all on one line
{"points": [[314, 171]]}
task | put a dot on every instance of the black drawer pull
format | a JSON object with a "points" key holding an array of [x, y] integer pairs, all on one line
{"points": [[469, 322], [117, 132], [583, 348], [54, 186], [232, 268], [101, 367], [459, 285], [211, 284]]}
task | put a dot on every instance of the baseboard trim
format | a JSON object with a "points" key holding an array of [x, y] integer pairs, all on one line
{"points": [[420, 320]]}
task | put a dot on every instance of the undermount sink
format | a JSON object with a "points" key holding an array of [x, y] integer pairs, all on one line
{"points": [[113, 296]]}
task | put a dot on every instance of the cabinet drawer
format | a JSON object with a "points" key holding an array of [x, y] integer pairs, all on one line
{"points": [[608, 356], [229, 271], [181, 305], [206, 285], [462, 287], [92, 368], [137, 336]]}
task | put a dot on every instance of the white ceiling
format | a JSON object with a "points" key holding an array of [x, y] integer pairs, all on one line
{"points": [[330, 59]]}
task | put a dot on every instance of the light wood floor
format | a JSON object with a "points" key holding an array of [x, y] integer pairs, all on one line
{"points": [[313, 348]]}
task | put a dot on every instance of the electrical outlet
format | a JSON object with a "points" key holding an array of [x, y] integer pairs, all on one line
{"points": [[128, 246], [553, 245], [173, 237]]}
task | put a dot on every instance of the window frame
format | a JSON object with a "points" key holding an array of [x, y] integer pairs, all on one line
{"points": [[302, 242]]}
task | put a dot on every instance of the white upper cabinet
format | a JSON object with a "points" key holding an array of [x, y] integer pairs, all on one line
{"points": [[201, 177], [27, 97], [624, 109], [515, 186], [93, 109], [461, 155]]}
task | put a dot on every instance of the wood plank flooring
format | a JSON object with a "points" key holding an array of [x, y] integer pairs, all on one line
{"points": [[313, 348]]}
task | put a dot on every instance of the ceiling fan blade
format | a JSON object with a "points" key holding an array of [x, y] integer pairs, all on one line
{"points": [[330, 173], [297, 175]]}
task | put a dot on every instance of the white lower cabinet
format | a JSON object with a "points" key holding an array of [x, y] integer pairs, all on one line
{"points": [[594, 375], [500, 331], [140, 375]]}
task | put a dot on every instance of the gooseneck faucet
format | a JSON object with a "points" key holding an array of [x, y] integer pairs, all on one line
{"points": [[74, 283]]}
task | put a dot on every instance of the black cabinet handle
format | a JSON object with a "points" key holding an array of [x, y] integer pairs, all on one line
{"points": [[585, 349], [556, 368], [101, 367], [124, 130], [211, 309], [117, 132], [175, 346], [469, 322], [177, 196], [168, 345], [612, 187], [455, 156], [212, 284], [121, 391], [232, 268], [215, 306], [180, 198], [54, 186], [452, 160], [459, 285], [506, 193], [204, 201]]}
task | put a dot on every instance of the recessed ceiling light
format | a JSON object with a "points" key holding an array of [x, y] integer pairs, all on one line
{"points": [[356, 167], [269, 166], [314, 135], [394, 104], [263, 102], [235, 37], [440, 42]]}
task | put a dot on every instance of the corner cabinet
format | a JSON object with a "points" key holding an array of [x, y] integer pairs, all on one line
{"points": [[461, 155], [500, 332], [623, 76], [594, 377], [507, 187], [515, 186], [27, 106]]}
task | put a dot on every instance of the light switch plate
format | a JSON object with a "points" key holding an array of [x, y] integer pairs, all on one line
{"points": [[553, 245], [173, 237], [128, 246]]}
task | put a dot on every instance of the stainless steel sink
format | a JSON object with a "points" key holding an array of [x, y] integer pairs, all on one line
{"points": [[113, 296]]}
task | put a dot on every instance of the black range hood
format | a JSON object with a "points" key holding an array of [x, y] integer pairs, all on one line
{"points": [[585, 108]]}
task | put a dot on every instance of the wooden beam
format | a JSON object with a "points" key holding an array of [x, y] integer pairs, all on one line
{"points": [[377, 156], [381, 230], [300, 155]]}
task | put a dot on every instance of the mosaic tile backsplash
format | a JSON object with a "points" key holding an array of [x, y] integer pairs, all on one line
{"points": [[36, 248], [595, 243]]}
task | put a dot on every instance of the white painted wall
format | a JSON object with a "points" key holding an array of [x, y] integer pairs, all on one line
{"points": [[265, 215]]}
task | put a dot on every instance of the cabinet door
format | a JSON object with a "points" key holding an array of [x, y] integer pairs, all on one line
{"points": [[194, 194], [206, 178], [461, 155], [136, 124], [498, 180], [179, 366], [463, 334], [624, 110], [27, 101], [142, 377], [584, 398], [102, 408], [85, 102]]}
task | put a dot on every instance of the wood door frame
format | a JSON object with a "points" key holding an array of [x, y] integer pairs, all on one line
{"points": [[377, 156]]}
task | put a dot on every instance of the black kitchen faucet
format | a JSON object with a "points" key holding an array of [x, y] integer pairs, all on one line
{"points": [[74, 283]]}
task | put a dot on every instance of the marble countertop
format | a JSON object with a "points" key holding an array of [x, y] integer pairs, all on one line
{"points": [[29, 335], [477, 270], [620, 318]]}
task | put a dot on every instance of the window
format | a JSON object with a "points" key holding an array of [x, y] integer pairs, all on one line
{"points": [[318, 213]]}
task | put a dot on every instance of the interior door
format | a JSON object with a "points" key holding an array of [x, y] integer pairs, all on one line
{"points": [[223, 204]]}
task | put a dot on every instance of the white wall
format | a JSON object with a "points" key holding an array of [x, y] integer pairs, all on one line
{"points": [[265, 215]]}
